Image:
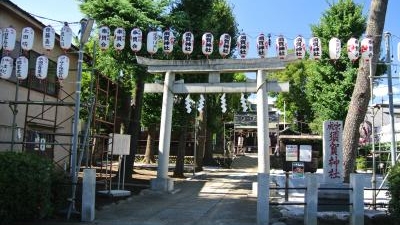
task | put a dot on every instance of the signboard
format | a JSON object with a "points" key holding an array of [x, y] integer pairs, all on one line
{"points": [[291, 153], [298, 169], [305, 153], [119, 144], [245, 119], [333, 151]]}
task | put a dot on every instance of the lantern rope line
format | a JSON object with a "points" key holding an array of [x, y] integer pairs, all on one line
{"points": [[251, 34], [60, 23], [54, 20]]}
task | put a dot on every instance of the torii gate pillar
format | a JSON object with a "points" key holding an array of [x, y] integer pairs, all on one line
{"points": [[263, 150], [213, 68], [163, 182]]}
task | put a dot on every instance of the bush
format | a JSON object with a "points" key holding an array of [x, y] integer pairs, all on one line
{"points": [[361, 163], [28, 185], [394, 191]]}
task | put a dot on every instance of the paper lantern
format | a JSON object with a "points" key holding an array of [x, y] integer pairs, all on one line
{"points": [[104, 37], [42, 65], [315, 48], [398, 51], [187, 43], [9, 38], [152, 42], [262, 45], [21, 68], [335, 48], [119, 38], [353, 49], [207, 43], [281, 46], [243, 45], [136, 39], [27, 38], [62, 67], [6, 67], [168, 41], [299, 47], [1, 39], [367, 48], [49, 36], [65, 37], [224, 45]]}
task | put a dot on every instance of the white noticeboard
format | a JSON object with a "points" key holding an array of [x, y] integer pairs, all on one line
{"points": [[119, 144], [305, 153], [291, 153]]}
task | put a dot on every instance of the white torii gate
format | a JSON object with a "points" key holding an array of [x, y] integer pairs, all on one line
{"points": [[214, 68]]}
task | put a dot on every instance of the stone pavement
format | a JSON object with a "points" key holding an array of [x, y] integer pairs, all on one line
{"points": [[216, 196], [213, 196]]}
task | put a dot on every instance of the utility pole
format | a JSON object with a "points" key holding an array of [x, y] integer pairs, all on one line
{"points": [[86, 27], [390, 94]]}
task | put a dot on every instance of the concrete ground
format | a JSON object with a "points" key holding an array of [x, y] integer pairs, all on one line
{"points": [[213, 196]]}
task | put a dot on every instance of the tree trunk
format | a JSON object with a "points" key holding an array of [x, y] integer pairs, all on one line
{"points": [[362, 92], [150, 143], [180, 157], [208, 154], [134, 125], [201, 137]]}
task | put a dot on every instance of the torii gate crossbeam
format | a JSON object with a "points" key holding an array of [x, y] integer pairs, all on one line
{"points": [[213, 68]]}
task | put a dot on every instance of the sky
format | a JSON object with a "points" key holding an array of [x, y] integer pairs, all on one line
{"points": [[277, 17]]}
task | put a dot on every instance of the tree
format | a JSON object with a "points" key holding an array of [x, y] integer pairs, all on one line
{"points": [[320, 90], [362, 92], [128, 14], [331, 86], [296, 108], [151, 120], [202, 16]]}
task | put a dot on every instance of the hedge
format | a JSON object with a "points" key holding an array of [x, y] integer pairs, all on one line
{"points": [[30, 187], [394, 191]]}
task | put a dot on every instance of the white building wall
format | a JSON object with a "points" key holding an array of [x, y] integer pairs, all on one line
{"points": [[11, 15]]}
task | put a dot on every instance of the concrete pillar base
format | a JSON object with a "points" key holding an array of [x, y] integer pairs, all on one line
{"points": [[272, 192], [88, 195], [162, 184], [333, 198]]}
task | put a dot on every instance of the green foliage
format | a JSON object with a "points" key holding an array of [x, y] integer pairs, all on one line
{"points": [[151, 109], [394, 191], [30, 188], [361, 163], [321, 90], [201, 16], [295, 102]]}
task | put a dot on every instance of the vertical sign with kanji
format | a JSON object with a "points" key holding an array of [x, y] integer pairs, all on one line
{"points": [[333, 151]]}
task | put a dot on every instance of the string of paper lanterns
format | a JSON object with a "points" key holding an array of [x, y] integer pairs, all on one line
{"points": [[355, 49], [167, 40], [8, 40]]}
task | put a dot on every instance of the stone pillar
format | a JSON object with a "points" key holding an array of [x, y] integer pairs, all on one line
{"points": [[263, 150], [163, 182], [333, 151], [88, 195], [332, 189], [311, 200], [357, 199]]}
